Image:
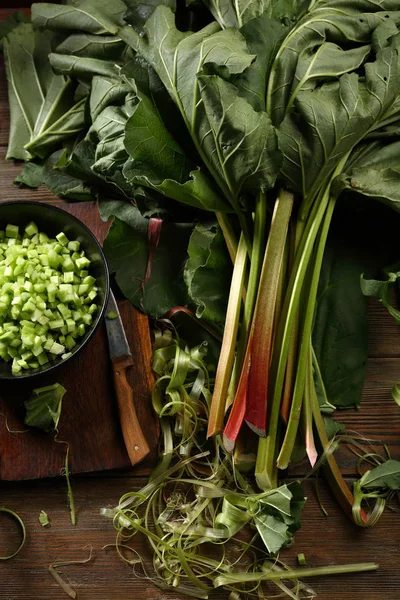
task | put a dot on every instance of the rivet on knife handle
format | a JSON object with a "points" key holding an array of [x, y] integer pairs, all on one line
{"points": [[135, 441]]}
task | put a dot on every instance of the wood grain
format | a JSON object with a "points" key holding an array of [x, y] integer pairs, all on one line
{"points": [[90, 422], [324, 541], [331, 540]]}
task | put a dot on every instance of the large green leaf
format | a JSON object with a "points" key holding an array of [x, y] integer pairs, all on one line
{"points": [[375, 172], [340, 333], [82, 15], [44, 112], [301, 47], [329, 121], [158, 161], [340, 327], [178, 58], [106, 47], [236, 14], [247, 154], [127, 251], [25, 93], [263, 36], [208, 272]]}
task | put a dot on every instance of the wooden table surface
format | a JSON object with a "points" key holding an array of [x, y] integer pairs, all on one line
{"points": [[324, 540]]}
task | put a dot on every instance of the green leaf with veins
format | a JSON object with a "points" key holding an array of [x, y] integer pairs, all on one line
{"points": [[127, 250], [178, 58], [62, 184], [236, 14], [105, 47], [82, 66], [43, 409], [386, 476], [357, 5], [314, 30], [158, 161], [68, 125], [44, 112], [374, 172], [247, 154], [106, 91], [208, 272], [30, 176], [273, 531], [329, 61], [329, 121], [340, 326], [139, 11], [278, 515], [25, 93], [82, 15], [263, 36]]}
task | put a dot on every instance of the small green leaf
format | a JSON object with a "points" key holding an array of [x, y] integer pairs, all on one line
{"points": [[333, 427], [32, 175], [43, 409], [396, 393], [44, 519], [385, 476], [273, 532]]}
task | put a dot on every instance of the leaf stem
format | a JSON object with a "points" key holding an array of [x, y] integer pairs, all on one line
{"points": [[294, 573], [305, 346], [227, 355], [256, 412]]}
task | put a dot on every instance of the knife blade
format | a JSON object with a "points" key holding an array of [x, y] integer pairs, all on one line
{"points": [[121, 358]]}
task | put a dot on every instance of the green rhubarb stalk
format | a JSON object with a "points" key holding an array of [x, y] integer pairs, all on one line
{"points": [[260, 228], [266, 468], [305, 350], [256, 412], [227, 354]]}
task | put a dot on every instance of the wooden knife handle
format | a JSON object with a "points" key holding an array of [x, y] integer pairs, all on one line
{"points": [[135, 441]]}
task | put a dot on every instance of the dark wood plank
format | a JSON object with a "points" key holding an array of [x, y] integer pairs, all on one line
{"points": [[324, 541], [89, 420]]}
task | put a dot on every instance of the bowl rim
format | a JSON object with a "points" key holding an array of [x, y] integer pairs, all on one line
{"points": [[101, 312]]}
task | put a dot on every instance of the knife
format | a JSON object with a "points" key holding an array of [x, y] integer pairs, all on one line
{"points": [[121, 359]]}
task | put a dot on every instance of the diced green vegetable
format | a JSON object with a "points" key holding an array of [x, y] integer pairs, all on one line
{"points": [[47, 297]]}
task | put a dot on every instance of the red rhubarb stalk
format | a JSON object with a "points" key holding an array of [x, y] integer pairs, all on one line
{"points": [[256, 411]]}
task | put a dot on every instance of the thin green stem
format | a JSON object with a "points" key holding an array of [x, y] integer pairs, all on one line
{"points": [[228, 233], [268, 575], [227, 355], [305, 346]]}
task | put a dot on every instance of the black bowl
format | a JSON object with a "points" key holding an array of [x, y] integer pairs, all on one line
{"points": [[52, 220]]}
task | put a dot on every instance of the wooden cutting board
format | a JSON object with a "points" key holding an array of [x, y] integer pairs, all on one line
{"points": [[89, 419]]}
